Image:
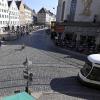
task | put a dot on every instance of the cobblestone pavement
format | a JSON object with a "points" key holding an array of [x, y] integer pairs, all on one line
{"points": [[54, 70]]}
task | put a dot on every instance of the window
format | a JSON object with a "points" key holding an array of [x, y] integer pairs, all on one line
{"points": [[0, 22], [86, 69], [2, 16], [72, 10], [63, 10], [95, 74]]}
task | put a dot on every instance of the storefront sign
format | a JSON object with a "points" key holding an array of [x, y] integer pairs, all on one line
{"points": [[60, 29]]}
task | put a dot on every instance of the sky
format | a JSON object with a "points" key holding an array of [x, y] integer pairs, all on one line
{"points": [[38, 4]]}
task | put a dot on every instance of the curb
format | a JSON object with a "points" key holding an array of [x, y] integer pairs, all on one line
{"points": [[74, 53]]}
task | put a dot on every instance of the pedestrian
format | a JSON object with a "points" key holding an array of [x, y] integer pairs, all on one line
{"points": [[95, 18]]}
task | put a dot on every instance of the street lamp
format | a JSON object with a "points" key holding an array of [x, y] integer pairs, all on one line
{"points": [[27, 75]]}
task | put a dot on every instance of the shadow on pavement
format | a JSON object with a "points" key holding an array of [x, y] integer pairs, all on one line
{"points": [[40, 40], [71, 87]]}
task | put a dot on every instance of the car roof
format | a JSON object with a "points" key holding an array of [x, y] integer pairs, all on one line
{"points": [[94, 58]]}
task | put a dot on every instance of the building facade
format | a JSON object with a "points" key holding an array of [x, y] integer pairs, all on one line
{"points": [[13, 14], [4, 14], [81, 22], [34, 15], [78, 10], [45, 16], [28, 15], [21, 9]]}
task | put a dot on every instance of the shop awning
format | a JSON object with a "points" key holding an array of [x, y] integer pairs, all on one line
{"points": [[20, 96]]}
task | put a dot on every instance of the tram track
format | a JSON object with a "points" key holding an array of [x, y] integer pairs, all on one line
{"points": [[46, 65], [22, 82], [55, 57], [66, 61], [37, 81]]}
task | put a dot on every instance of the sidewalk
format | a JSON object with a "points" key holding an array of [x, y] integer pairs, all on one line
{"points": [[74, 52], [54, 96]]}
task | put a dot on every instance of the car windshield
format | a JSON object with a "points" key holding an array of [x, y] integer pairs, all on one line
{"points": [[86, 69], [95, 74]]}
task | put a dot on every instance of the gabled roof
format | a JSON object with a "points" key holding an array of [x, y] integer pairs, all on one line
{"points": [[18, 3], [9, 3], [43, 10], [25, 6], [50, 13], [34, 11]]}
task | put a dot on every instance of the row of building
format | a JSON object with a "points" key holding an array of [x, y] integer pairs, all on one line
{"points": [[15, 13]]}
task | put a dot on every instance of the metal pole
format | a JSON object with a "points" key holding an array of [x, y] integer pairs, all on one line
{"points": [[28, 77], [27, 63], [27, 86], [26, 89]]}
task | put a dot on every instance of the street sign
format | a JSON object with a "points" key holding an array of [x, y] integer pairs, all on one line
{"points": [[25, 74], [59, 29]]}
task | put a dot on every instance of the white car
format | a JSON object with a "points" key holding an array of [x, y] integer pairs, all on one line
{"points": [[90, 73]]}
